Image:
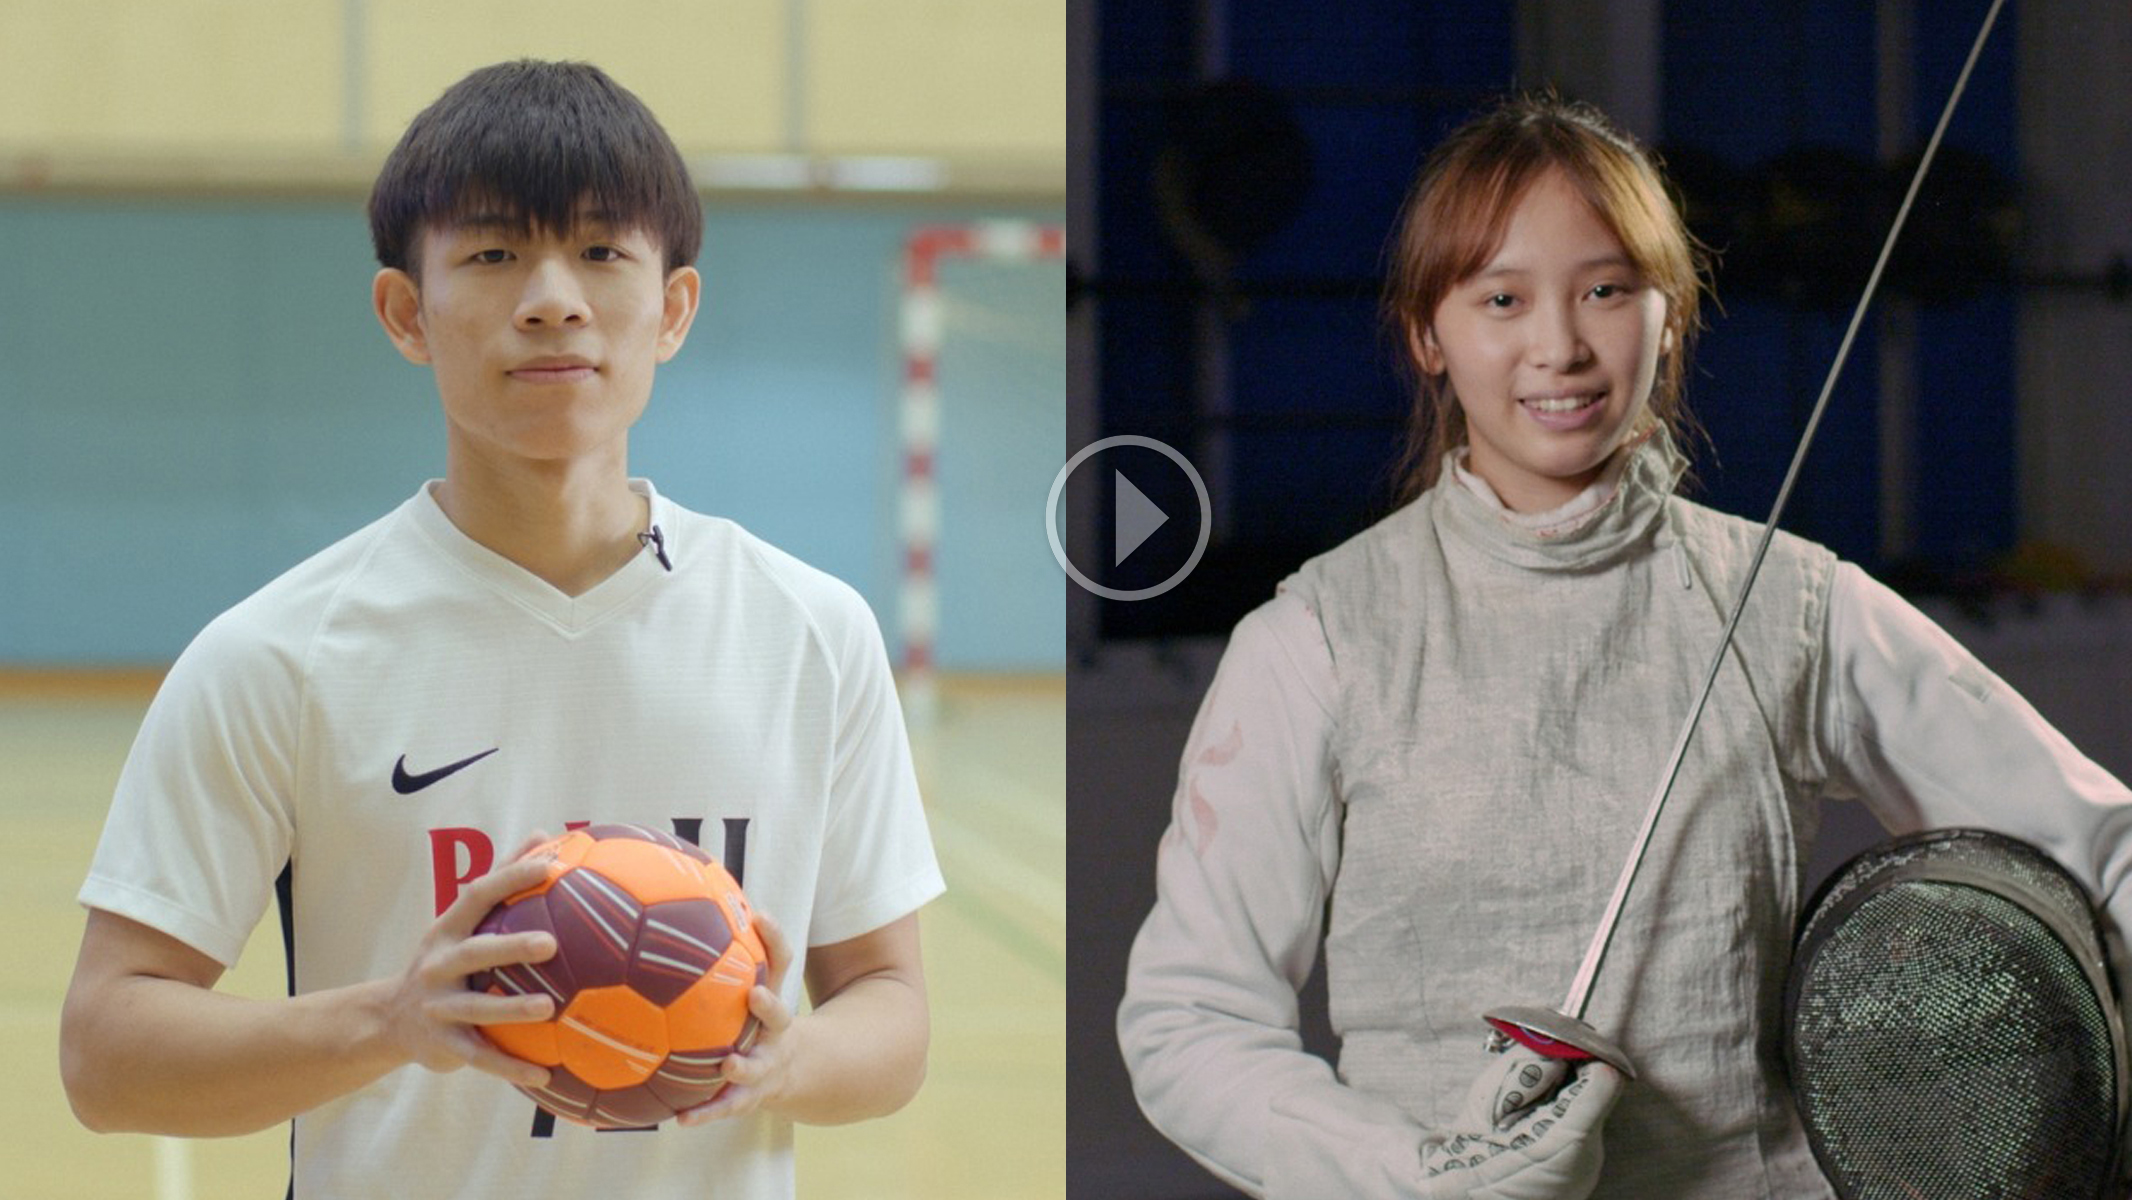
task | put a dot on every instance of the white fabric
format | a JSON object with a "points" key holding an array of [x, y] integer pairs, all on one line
{"points": [[1524, 1133], [1567, 518], [1895, 711], [742, 689], [1502, 703]]}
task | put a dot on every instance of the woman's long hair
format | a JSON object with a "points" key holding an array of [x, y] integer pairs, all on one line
{"points": [[1454, 220]]}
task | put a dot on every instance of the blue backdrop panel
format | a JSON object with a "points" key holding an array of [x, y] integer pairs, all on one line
{"points": [[196, 396]]}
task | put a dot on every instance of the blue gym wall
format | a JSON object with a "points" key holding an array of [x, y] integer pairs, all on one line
{"points": [[194, 395]]}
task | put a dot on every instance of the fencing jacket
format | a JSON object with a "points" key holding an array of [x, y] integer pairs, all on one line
{"points": [[1431, 752]]}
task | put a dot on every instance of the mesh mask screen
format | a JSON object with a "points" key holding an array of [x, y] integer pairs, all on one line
{"points": [[1946, 1044]]}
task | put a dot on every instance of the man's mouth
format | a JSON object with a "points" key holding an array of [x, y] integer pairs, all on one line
{"points": [[554, 370]]}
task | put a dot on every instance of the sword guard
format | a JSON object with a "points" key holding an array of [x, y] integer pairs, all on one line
{"points": [[1554, 1035]]}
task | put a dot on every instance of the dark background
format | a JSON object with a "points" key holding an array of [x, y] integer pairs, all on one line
{"points": [[1297, 158]]}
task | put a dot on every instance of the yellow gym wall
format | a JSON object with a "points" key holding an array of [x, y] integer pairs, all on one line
{"points": [[151, 92]]}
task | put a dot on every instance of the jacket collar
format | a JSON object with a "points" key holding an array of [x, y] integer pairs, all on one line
{"points": [[1592, 530]]}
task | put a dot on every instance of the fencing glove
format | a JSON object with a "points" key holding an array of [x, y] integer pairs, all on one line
{"points": [[1522, 1139]]}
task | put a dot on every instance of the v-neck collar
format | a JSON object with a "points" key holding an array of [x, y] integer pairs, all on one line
{"points": [[569, 614]]}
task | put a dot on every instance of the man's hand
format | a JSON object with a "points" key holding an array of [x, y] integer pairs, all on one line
{"points": [[758, 1075], [148, 1045], [431, 1015], [859, 1052]]}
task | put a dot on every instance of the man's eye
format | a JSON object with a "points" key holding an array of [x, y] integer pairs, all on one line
{"points": [[604, 253], [491, 256], [1607, 291]]}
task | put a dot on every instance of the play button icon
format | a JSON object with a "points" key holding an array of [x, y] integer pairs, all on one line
{"points": [[1136, 519]]}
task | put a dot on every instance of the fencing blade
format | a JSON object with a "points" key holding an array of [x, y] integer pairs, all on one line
{"points": [[1580, 991]]}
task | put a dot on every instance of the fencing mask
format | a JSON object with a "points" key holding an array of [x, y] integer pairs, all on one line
{"points": [[1953, 1030]]}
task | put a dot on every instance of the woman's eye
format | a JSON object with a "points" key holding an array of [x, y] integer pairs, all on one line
{"points": [[1607, 291], [1500, 300]]}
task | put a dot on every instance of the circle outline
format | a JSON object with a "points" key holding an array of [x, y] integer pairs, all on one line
{"points": [[1058, 486]]}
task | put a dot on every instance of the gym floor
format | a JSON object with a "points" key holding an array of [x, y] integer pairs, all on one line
{"points": [[990, 1122]]}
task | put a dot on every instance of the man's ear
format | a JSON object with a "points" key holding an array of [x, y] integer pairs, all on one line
{"points": [[684, 287], [1421, 343], [398, 301]]}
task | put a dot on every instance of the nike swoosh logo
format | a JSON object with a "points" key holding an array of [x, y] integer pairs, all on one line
{"points": [[408, 785]]}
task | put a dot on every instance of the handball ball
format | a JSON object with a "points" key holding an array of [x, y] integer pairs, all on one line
{"points": [[655, 955]]}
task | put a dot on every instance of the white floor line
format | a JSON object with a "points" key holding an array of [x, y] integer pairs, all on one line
{"points": [[973, 856], [173, 1169], [1009, 799]]}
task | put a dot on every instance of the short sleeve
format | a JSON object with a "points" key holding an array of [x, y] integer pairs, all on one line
{"points": [[877, 853], [200, 823]]}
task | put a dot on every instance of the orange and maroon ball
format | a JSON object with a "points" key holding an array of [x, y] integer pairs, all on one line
{"points": [[656, 952]]}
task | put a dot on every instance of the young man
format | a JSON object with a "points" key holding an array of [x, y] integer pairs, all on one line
{"points": [[532, 641]]}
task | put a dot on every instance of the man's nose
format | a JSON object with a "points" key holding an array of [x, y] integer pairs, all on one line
{"points": [[552, 296]]}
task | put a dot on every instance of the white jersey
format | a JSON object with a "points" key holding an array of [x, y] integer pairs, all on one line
{"points": [[397, 714]]}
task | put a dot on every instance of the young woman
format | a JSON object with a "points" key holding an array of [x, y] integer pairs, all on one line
{"points": [[1430, 751]]}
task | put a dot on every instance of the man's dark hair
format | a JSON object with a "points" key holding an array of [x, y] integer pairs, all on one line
{"points": [[537, 143]]}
